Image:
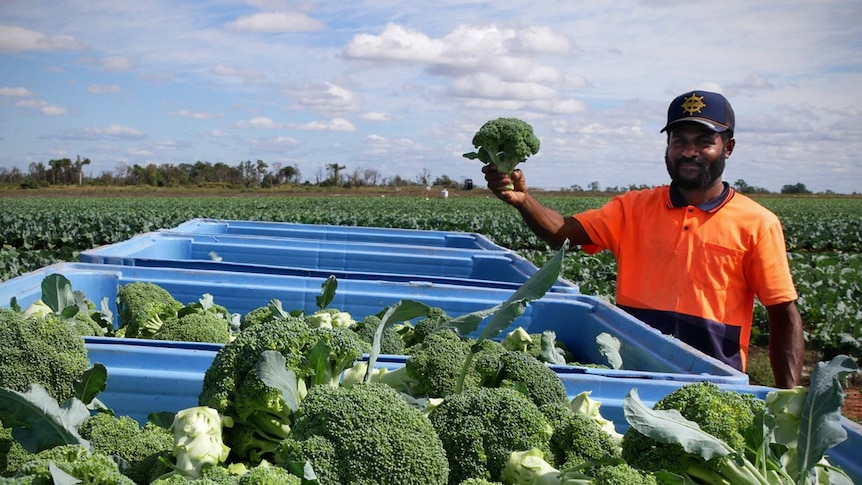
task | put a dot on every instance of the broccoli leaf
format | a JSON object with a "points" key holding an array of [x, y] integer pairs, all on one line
{"points": [[398, 312], [272, 371], [328, 292], [550, 352], [669, 426], [38, 422], [533, 289], [609, 346], [57, 294], [59, 477], [820, 426], [92, 382]]}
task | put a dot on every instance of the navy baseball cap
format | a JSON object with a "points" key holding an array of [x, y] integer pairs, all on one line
{"points": [[709, 109]]}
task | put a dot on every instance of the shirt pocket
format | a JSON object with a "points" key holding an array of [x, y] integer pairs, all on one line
{"points": [[717, 267]]}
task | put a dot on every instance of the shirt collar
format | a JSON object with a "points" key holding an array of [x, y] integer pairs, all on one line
{"points": [[676, 200]]}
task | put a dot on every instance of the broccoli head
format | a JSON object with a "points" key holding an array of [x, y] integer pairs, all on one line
{"points": [[40, 350], [268, 474], [435, 320], [436, 364], [364, 434], [123, 437], [481, 427], [577, 438], [231, 385], [522, 371], [505, 142], [143, 307], [208, 327], [724, 414], [76, 461], [390, 341]]}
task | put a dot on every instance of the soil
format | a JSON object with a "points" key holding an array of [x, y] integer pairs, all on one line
{"points": [[852, 406]]}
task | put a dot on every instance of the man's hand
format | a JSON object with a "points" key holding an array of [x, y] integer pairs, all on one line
{"points": [[498, 180]]}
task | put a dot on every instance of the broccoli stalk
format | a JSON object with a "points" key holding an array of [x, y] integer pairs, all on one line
{"points": [[197, 440], [505, 142]]}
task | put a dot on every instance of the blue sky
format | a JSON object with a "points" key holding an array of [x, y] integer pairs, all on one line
{"points": [[400, 87]]}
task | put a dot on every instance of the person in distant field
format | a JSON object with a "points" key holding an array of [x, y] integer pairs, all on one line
{"points": [[691, 255]]}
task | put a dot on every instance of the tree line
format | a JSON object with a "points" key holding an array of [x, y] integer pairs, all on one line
{"points": [[259, 174], [246, 174]]}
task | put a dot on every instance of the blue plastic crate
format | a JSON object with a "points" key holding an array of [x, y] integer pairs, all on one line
{"points": [[325, 232], [577, 319], [321, 258]]}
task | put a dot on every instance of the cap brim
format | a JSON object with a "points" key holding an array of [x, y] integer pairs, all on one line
{"points": [[718, 128]]}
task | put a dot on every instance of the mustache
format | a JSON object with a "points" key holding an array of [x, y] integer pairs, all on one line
{"points": [[695, 160]]}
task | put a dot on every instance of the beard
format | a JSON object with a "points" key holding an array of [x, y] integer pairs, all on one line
{"points": [[707, 175]]}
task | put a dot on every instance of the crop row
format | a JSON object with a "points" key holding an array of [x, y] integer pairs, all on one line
{"points": [[824, 238]]}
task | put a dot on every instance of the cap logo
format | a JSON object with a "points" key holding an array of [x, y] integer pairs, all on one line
{"points": [[693, 104]]}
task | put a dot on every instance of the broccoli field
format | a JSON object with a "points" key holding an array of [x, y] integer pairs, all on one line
{"points": [[823, 238]]}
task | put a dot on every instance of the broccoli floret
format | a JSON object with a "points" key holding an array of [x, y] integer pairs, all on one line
{"points": [[123, 437], [12, 454], [268, 474], [143, 307], [505, 142], [390, 341], [330, 318], [332, 350], [529, 467], [435, 320], [606, 472], [577, 438], [436, 364], [257, 315], [373, 436], [210, 475], [195, 327], [481, 427], [43, 351], [724, 414], [76, 461], [522, 371], [232, 387], [479, 481]]}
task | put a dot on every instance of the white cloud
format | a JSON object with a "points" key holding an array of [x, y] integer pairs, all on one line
{"points": [[246, 75], [15, 92], [103, 89], [376, 116], [18, 39], [259, 122], [270, 22], [116, 64], [326, 98], [195, 115], [115, 131], [335, 124], [42, 106]]}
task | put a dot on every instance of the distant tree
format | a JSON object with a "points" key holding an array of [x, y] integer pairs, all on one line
{"points": [[795, 189], [78, 168], [335, 177], [594, 186], [576, 188]]}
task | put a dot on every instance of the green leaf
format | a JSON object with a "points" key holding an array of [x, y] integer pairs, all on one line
{"points": [[59, 477], [328, 292], [609, 346], [400, 311], [92, 382], [272, 371], [671, 427], [533, 289], [820, 424], [549, 351], [57, 293], [38, 422], [318, 361]]}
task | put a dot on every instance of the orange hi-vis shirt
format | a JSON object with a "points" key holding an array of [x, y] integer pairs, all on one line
{"points": [[694, 271]]}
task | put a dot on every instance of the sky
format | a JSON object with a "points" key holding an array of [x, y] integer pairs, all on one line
{"points": [[400, 87]]}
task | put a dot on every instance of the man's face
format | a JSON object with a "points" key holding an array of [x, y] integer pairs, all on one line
{"points": [[695, 156]]}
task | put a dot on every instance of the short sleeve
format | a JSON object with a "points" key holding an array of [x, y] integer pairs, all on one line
{"points": [[604, 225], [768, 270]]}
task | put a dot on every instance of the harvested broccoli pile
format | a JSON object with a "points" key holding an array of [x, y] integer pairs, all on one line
{"points": [[143, 309]]}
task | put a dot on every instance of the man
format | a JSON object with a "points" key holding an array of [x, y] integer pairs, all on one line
{"points": [[691, 255]]}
